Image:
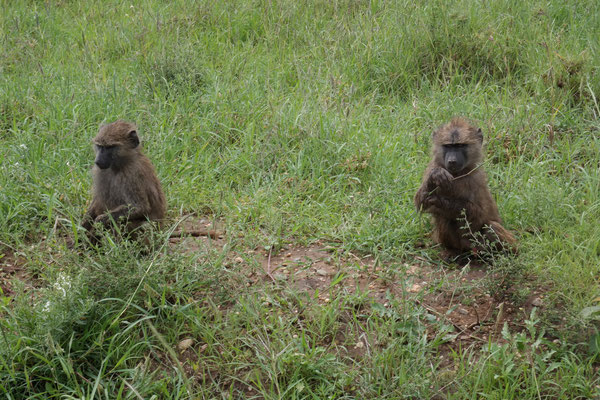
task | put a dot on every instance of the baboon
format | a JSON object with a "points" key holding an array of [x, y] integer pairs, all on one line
{"points": [[126, 189], [455, 192]]}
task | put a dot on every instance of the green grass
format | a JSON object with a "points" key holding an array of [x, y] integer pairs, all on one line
{"points": [[293, 122]]}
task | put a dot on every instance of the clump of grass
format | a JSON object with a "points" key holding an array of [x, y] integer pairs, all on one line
{"points": [[543, 364], [175, 73]]}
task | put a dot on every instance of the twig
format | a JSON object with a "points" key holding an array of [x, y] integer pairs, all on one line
{"points": [[468, 173], [498, 319], [456, 326], [213, 234], [268, 271]]}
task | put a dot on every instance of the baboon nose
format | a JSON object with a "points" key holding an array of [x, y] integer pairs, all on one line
{"points": [[102, 165]]}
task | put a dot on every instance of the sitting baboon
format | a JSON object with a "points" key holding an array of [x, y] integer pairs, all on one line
{"points": [[126, 189], [455, 191]]}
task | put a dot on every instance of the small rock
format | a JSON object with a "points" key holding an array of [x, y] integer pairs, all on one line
{"points": [[537, 302], [322, 272], [185, 344], [462, 311], [359, 345], [238, 260], [415, 288]]}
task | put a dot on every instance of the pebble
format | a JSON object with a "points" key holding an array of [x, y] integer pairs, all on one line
{"points": [[185, 344], [415, 288], [537, 302]]}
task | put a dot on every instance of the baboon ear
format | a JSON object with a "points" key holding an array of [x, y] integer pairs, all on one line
{"points": [[480, 135], [133, 137]]}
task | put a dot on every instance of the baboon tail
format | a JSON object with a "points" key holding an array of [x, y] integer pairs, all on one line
{"points": [[506, 238]]}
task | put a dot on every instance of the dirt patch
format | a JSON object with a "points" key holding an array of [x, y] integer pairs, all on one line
{"points": [[462, 298], [318, 270], [11, 267], [457, 296]]}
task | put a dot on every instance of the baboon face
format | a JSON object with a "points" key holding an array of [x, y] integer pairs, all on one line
{"points": [[455, 156], [457, 146], [114, 144], [104, 156]]}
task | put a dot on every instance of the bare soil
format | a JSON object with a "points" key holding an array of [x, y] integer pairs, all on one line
{"points": [[11, 267], [456, 295]]}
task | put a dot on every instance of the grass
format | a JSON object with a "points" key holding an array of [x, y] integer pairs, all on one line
{"points": [[293, 122]]}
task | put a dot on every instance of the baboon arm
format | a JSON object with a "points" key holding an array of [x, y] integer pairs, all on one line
{"points": [[452, 208], [437, 179], [132, 213], [420, 198], [89, 217], [87, 222]]}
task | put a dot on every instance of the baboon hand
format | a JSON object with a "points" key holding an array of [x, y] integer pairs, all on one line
{"points": [[431, 201], [440, 177], [102, 219]]}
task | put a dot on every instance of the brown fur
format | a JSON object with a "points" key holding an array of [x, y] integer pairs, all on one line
{"points": [[446, 195], [129, 190]]}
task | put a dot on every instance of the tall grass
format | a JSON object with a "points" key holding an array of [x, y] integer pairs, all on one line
{"points": [[291, 121]]}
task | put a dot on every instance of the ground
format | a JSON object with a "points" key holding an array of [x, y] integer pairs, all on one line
{"points": [[457, 295]]}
